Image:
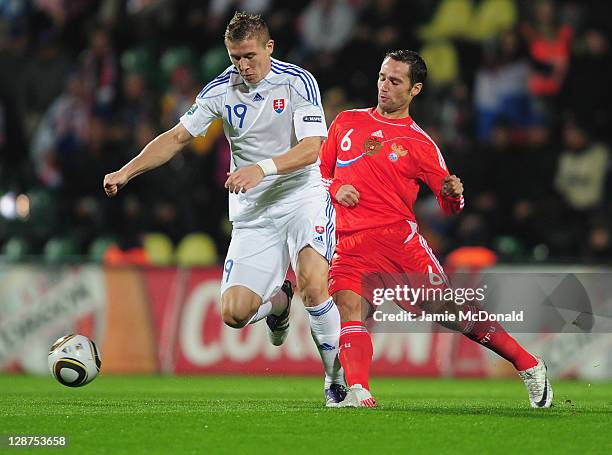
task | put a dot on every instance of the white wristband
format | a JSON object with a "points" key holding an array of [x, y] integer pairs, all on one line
{"points": [[267, 166]]}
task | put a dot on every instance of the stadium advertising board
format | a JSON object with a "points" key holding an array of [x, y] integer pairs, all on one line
{"points": [[193, 339], [148, 320]]}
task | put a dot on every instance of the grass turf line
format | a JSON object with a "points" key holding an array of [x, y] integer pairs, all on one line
{"points": [[142, 414]]}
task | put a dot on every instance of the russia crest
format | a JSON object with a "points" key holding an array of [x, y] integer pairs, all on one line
{"points": [[279, 105]]}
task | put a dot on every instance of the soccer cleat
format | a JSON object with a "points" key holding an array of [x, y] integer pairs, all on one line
{"points": [[538, 386], [278, 326], [334, 394], [358, 397]]}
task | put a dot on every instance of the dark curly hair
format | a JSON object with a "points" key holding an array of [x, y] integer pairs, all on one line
{"points": [[417, 68]]}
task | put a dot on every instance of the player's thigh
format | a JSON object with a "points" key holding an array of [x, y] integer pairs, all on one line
{"points": [[418, 261], [257, 259], [358, 265], [312, 223], [311, 271], [424, 273]]}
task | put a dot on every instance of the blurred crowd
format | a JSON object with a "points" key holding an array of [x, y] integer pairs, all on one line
{"points": [[516, 99]]}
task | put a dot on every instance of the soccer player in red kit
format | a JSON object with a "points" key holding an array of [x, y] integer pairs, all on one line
{"points": [[373, 161]]}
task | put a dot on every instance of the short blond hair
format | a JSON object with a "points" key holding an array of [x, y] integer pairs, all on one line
{"points": [[245, 26]]}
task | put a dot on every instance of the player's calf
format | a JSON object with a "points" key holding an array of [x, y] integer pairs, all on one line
{"points": [[490, 334], [443, 307], [312, 271], [352, 307], [356, 350]]}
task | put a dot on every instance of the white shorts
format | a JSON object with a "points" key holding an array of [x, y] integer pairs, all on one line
{"points": [[260, 252]]}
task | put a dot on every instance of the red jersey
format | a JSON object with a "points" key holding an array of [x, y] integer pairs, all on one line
{"points": [[384, 159]]}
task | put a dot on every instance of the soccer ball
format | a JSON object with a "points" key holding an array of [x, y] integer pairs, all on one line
{"points": [[74, 360]]}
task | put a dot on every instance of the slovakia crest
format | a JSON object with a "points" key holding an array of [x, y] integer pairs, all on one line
{"points": [[278, 105], [319, 229]]}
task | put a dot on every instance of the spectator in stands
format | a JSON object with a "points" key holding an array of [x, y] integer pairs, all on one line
{"points": [[378, 29], [99, 71], [549, 49], [12, 143], [45, 75], [456, 118], [599, 243], [135, 105], [326, 26], [585, 90], [500, 88], [62, 134], [13, 61], [63, 126], [582, 169], [179, 96]]}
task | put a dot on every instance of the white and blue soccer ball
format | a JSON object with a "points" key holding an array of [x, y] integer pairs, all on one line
{"points": [[74, 360]]}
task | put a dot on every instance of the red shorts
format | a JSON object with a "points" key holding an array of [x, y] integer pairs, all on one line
{"points": [[383, 258]]}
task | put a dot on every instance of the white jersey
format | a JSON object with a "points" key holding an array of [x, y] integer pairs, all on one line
{"points": [[262, 121]]}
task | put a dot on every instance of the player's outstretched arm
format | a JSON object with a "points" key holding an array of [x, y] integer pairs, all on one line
{"points": [[301, 155], [157, 152]]}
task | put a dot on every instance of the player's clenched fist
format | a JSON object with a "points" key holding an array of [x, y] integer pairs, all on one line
{"points": [[244, 179], [347, 195], [114, 182], [452, 186]]}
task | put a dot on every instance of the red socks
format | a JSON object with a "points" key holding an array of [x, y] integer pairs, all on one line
{"points": [[492, 335], [355, 353]]}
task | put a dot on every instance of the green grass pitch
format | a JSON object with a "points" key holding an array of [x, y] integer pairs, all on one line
{"points": [[179, 415]]}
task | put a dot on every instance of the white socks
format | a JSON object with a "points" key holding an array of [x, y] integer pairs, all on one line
{"points": [[264, 310], [325, 330], [276, 305], [324, 327]]}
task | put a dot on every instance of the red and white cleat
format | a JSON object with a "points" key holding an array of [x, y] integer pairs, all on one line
{"points": [[358, 397]]}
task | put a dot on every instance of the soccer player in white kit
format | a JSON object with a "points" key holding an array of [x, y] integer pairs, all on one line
{"points": [[280, 210]]}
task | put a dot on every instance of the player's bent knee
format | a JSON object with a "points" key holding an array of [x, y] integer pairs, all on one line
{"points": [[232, 320], [313, 293], [236, 311]]}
